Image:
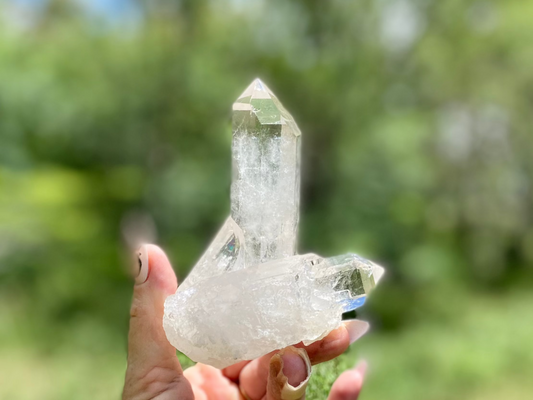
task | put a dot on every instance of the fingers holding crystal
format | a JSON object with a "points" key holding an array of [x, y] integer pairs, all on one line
{"points": [[254, 374]]}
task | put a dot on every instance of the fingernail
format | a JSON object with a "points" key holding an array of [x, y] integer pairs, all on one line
{"points": [[291, 370], [356, 328], [361, 367], [142, 265], [295, 366]]}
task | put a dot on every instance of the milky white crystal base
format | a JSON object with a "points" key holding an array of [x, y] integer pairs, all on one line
{"points": [[247, 313]]}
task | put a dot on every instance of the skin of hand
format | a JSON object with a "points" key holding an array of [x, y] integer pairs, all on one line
{"points": [[154, 372]]}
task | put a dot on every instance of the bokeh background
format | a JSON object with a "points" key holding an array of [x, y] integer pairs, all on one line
{"points": [[417, 153]]}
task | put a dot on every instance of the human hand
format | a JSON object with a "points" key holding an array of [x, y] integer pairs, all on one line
{"points": [[154, 371]]}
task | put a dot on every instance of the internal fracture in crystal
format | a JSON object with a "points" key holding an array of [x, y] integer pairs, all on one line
{"points": [[250, 293]]}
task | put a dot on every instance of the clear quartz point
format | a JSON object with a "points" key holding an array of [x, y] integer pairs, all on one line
{"points": [[265, 192], [250, 293]]}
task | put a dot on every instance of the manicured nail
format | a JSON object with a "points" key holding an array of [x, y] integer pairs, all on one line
{"points": [[296, 365], [361, 367], [356, 328], [294, 371], [143, 268]]}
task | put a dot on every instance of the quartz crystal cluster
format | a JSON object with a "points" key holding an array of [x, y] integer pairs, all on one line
{"points": [[250, 293]]}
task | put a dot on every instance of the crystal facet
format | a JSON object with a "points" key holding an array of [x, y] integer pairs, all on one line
{"points": [[250, 293]]}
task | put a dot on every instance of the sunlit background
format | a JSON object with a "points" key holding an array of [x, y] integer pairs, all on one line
{"points": [[417, 153]]}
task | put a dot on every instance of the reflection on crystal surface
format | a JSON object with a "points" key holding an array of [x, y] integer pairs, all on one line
{"points": [[250, 293]]}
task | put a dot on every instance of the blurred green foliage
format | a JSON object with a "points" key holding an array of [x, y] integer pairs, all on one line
{"points": [[417, 152]]}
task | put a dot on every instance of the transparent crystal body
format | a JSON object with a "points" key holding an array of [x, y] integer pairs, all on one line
{"points": [[244, 314], [265, 191], [250, 293]]}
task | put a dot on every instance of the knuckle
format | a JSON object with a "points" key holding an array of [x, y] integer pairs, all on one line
{"points": [[154, 383], [159, 379], [137, 309]]}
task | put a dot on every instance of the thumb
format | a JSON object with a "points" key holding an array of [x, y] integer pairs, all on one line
{"points": [[153, 368], [289, 373]]}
